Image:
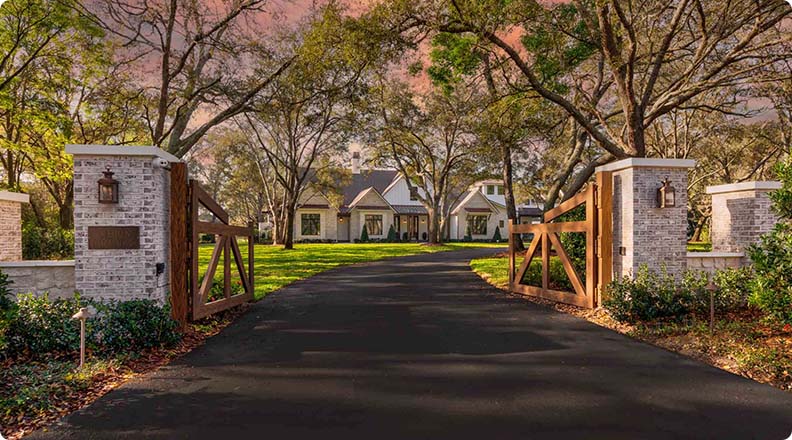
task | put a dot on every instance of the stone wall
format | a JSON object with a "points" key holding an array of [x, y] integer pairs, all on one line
{"points": [[711, 262], [642, 232], [741, 213], [38, 277], [11, 225], [144, 201]]}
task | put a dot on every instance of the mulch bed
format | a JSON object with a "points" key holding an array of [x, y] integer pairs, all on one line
{"points": [[114, 375]]}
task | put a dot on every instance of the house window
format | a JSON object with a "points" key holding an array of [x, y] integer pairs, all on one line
{"points": [[501, 224], [413, 194], [478, 224], [500, 190], [374, 224], [310, 224], [490, 190]]}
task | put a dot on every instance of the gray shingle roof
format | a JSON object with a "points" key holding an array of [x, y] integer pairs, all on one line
{"points": [[379, 179]]}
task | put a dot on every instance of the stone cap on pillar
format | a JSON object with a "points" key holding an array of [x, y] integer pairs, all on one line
{"points": [[645, 162], [7, 196], [744, 186], [120, 150]]}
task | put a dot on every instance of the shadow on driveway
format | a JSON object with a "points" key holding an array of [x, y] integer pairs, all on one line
{"points": [[420, 348]]}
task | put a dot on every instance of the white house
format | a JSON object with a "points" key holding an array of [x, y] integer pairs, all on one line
{"points": [[379, 198]]}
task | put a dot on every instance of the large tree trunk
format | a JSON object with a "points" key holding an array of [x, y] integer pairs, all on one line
{"points": [[508, 194], [288, 233], [698, 228], [66, 211], [434, 226]]}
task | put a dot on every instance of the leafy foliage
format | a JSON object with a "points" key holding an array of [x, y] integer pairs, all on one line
{"points": [[496, 237], [38, 326], [364, 237], [40, 243], [772, 257], [651, 296], [647, 297], [131, 326], [772, 288]]}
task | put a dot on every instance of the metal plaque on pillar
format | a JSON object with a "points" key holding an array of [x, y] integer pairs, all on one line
{"points": [[113, 237]]}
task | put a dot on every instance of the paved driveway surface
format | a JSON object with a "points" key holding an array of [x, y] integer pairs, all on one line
{"points": [[420, 348]]}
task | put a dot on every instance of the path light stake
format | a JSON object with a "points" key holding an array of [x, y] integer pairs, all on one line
{"points": [[82, 315]]}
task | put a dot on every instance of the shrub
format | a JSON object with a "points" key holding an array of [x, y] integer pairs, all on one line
{"points": [[771, 290], [468, 236], [496, 237], [130, 326], [405, 237], [647, 297], [5, 293], [207, 238], [734, 286], [46, 243], [38, 326], [7, 307], [392, 234], [364, 238]]}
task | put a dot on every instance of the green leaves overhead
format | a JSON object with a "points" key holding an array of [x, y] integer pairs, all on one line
{"points": [[453, 56]]}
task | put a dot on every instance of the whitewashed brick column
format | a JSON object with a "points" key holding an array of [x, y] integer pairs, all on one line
{"points": [[741, 213], [144, 202], [11, 225], [642, 232]]}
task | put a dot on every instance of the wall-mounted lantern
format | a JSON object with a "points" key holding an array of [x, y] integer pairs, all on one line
{"points": [[666, 195], [108, 187]]}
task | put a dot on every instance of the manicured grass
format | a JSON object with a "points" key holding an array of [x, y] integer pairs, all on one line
{"points": [[276, 268], [699, 246], [494, 269]]}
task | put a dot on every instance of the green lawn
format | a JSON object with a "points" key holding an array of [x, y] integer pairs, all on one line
{"points": [[496, 269], [275, 267], [699, 246]]}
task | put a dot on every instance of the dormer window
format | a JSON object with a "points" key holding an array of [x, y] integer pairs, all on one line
{"points": [[413, 194], [490, 190], [500, 190]]}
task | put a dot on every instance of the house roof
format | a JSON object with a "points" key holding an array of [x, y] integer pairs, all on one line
{"points": [[526, 211], [472, 193], [363, 194], [377, 179], [410, 210]]}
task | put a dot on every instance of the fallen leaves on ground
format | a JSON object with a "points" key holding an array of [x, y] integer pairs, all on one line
{"points": [[37, 392]]}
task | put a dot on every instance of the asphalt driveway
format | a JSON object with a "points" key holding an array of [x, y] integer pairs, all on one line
{"points": [[420, 348]]}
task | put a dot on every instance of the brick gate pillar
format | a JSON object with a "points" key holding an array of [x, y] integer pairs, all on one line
{"points": [[741, 213], [11, 225], [121, 249], [642, 232]]}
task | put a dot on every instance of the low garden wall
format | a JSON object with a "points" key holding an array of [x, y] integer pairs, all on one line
{"points": [[711, 262], [39, 277]]}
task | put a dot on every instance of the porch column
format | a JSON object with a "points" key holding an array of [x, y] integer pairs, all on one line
{"points": [[643, 233]]}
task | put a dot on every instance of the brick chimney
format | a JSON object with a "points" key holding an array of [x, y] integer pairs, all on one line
{"points": [[356, 162]]}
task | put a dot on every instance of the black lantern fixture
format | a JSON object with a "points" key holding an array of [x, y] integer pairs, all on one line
{"points": [[108, 187], [666, 195]]}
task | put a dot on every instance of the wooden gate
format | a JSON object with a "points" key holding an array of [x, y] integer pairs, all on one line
{"points": [[194, 296], [597, 228]]}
